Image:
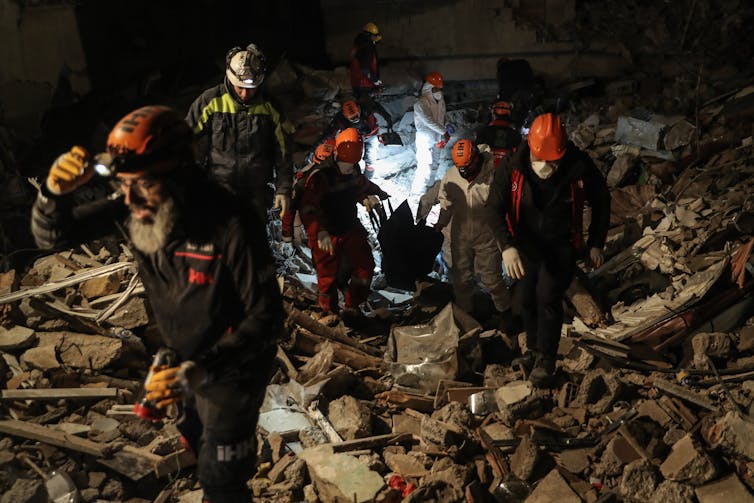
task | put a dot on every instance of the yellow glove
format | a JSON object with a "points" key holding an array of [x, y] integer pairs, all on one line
{"points": [[165, 386], [283, 202], [371, 202], [70, 171]]}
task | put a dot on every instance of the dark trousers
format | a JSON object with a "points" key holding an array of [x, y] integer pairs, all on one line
{"points": [[538, 296], [220, 425]]}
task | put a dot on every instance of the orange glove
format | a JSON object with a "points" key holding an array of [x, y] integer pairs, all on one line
{"points": [[70, 171]]}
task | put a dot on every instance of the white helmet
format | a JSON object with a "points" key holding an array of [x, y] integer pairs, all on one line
{"points": [[245, 67]]}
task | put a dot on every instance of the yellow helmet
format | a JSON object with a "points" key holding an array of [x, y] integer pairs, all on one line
{"points": [[372, 29]]}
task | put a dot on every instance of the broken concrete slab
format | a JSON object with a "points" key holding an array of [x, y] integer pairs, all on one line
{"points": [[553, 488], [341, 478], [437, 433], [713, 345], [132, 314], [639, 480], [26, 491], [16, 337], [451, 473], [513, 393], [598, 391], [733, 434], [350, 417], [688, 463], [725, 490], [524, 459], [673, 491]]}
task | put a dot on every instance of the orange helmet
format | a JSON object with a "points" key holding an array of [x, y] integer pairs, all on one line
{"points": [[501, 109], [144, 138], [351, 111], [435, 79], [464, 152], [324, 150], [372, 29], [349, 146], [547, 137]]}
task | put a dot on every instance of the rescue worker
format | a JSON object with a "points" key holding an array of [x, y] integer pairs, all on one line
{"points": [[244, 139], [351, 115], [365, 71], [499, 133], [432, 133], [291, 221], [464, 191], [207, 272], [337, 239], [541, 190]]}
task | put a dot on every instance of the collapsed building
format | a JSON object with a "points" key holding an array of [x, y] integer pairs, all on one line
{"points": [[653, 395]]}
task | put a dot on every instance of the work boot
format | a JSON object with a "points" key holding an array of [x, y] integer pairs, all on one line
{"points": [[526, 360], [353, 318], [543, 373]]}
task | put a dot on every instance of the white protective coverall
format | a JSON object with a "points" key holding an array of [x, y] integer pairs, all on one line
{"points": [[472, 244], [429, 119]]}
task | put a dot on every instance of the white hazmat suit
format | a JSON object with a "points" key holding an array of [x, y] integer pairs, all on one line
{"points": [[429, 119], [472, 244]]}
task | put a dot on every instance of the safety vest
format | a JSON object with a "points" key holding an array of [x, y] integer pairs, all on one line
{"points": [[577, 207]]}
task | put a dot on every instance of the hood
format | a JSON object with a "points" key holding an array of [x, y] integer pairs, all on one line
{"points": [[427, 89]]}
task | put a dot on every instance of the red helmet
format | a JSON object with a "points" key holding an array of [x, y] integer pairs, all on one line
{"points": [[324, 150], [435, 79], [547, 138], [351, 111], [501, 109], [146, 137], [349, 147]]}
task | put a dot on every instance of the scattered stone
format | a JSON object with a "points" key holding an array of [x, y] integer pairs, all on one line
{"points": [[101, 286], [746, 339], [312, 436], [340, 477], [89, 494], [96, 479], [112, 490], [16, 337], [350, 417], [25, 491], [132, 314], [451, 473], [686, 463], [436, 432], [553, 488], [404, 464], [89, 351], [277, 472]]}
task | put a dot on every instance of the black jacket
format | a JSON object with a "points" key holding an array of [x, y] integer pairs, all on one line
{"points": [[212, 288], [242, 143], [546, 207]]}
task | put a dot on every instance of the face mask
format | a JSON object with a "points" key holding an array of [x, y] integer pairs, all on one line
{"points": [[544, 169], [345, 168], [437, 95]]}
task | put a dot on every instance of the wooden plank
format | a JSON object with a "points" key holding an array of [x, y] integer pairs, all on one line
{"points": [[58, 393], [372, 442], [53, 437], [303, 320], [684, 394], [357, 360]]}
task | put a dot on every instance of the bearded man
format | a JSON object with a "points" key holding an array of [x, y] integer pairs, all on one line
{"points": [[207, 271]]}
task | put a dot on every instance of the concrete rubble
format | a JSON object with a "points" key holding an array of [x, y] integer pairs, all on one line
{"points": [[654, 392]]}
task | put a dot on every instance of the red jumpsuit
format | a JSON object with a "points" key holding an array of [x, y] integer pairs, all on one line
{"points": [[327, 202]]}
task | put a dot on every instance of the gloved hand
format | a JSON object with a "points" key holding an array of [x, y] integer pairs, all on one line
{"points": [[371, 202], [282, 201], [324, 241], [70, 171], [596, 256], [165, 387], [450, 129], [513, 264]]}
